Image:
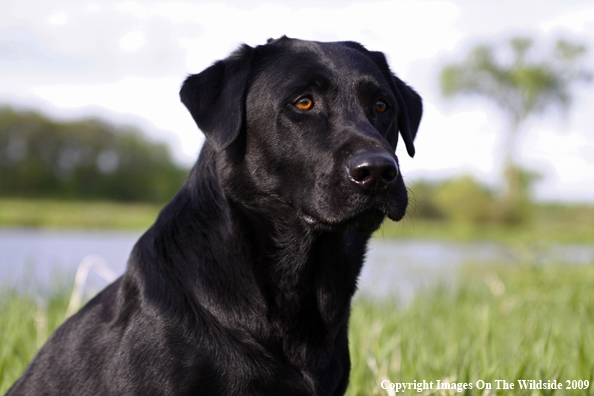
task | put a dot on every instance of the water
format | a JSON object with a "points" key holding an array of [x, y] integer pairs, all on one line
{"points": [[37, 258], [403, 267], [32, 258]]}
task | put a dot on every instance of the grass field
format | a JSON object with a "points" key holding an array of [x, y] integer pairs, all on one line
{"points": [[500, 323], [550, 223], [44, 213]]}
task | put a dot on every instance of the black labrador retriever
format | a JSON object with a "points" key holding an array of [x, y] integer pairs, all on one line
{"points": [[243, 284]]}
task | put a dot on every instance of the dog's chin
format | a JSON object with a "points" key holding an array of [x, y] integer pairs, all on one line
{"points": [[367, 221], [397, 214]]}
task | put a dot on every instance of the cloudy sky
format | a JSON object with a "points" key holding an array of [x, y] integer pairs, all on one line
{"points": [[125, 61]]}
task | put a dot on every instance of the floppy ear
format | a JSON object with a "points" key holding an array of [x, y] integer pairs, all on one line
{"points": [[216, 97], [410, 105], [410, 112]]}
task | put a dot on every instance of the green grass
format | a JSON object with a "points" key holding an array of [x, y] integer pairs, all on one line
{"points": [[501, 322], [549, 223], [26, 321], [45, 213]]}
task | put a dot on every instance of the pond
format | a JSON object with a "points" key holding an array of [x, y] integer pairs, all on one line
{"points": [[38, 259]]}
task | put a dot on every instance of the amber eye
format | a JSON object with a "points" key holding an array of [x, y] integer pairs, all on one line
{"points": [[304, 103], [380, 106]]}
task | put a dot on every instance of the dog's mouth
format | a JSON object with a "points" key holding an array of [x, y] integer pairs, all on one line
{"points": [[367, 220], [350, 207]]}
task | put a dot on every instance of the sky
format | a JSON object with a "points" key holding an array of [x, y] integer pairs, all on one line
{"points": [[126, 60]]}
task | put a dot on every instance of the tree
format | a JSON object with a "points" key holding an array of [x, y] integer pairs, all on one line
{"points": [[84, 159], [521, 87]]}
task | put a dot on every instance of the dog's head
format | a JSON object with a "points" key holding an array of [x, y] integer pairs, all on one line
{"points": [[309, 126]]}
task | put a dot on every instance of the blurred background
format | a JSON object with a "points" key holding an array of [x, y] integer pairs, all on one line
{"points": [[124, 61], [94, 139]]}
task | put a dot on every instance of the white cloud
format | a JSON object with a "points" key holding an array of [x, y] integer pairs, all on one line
{"points": [[577, 21], [59, 18], [132, 41]]}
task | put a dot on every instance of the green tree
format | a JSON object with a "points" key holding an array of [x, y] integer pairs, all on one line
{"points": [[85, 159], [521, 87]]}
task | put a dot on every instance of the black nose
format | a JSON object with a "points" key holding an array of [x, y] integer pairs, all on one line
{"points": [[372, 172]]}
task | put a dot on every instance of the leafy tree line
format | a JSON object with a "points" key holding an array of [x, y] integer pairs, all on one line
{"points": [[86, 159]]}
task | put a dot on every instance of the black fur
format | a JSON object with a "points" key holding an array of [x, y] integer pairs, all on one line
{"points": [[243, 284]]}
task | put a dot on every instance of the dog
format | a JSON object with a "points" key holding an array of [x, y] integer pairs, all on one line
{"points": [[243, 285]]}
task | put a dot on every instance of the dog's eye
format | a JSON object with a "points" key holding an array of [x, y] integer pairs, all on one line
{"points": [[304, 103], [381, 106]]}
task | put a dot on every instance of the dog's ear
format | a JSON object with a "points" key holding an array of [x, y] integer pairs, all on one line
{"points": [[410, 112], [410, 105], [216, 97]]}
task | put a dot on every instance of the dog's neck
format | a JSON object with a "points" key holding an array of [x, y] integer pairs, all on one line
{"points": [[291, 273]]}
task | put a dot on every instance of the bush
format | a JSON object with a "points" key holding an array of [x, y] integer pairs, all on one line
{"points": [[463, 200]]}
